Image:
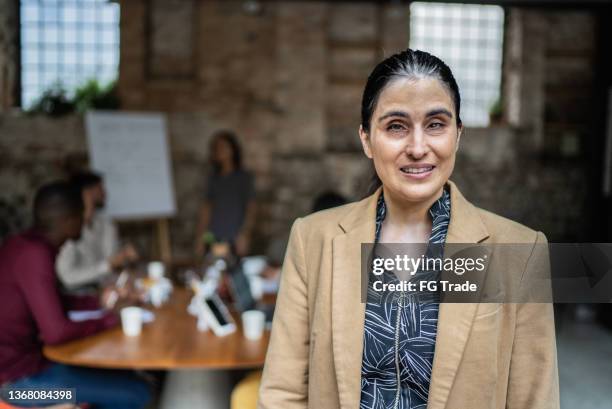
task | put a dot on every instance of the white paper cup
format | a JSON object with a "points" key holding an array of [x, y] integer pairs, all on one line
{"points": [[157, 295], [256, 284], [131, 321], [253, 324], [254, 265], [156, 270]]}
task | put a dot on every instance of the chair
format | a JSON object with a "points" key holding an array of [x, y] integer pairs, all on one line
{"points": [[244, 395]]}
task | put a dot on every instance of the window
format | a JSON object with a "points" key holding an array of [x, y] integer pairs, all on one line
{"points": [[67, 42], [469, 38]]}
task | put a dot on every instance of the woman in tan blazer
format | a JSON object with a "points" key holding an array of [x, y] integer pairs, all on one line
{"points": [[472, 355]]}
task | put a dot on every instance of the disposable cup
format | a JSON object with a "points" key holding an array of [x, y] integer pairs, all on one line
{"points": [[155, 270], [253, 324], [256, 284], [157, 295], [131, 321]]}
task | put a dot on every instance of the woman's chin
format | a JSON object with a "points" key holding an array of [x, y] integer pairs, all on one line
{"points": [[419, 192]]}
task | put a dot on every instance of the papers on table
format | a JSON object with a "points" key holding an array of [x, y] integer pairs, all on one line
{"points": [[78, 316]]}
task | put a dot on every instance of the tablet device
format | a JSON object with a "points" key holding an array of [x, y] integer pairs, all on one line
{"points": [[240, 290]]}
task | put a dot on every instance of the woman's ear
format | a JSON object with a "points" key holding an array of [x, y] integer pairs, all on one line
{"points": [[459, 133], [365, 142]]}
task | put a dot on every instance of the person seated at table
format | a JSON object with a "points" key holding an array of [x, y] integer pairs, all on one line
{"points": [[34, 312], [90, 260], [228, 210]]}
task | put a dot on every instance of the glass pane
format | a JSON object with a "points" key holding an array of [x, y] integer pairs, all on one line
{"points": [[69, 14], [70, 58], [51, 35], [89, 35], [29, 12], [29, 33]]}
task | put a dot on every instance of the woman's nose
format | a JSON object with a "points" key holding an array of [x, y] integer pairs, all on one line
{"points": [[417, 145]]}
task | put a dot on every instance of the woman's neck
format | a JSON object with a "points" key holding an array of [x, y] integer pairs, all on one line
{"points": [[226, 168], [407, 221]]}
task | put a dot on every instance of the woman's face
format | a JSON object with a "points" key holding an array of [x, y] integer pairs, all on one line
{"points": [[413, 138], [222, 152]]}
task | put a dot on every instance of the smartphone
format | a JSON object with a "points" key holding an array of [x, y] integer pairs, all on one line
{"points": [[218, 316]]}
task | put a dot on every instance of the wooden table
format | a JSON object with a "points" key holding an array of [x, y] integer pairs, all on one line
{"points": [[172, 341]]}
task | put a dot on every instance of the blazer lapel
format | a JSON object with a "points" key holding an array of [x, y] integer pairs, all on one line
{"points": [[348, 310], [454, 320]]}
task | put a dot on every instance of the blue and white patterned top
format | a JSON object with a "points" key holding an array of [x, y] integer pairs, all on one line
{"points": [[400, 331]]}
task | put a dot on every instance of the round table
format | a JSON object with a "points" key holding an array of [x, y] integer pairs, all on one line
{"points": [[171, 342]]}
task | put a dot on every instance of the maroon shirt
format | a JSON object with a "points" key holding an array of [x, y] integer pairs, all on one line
{"points": [[33, 312]]}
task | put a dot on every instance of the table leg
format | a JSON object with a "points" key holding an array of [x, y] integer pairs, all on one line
{"points": [[202, 389]]}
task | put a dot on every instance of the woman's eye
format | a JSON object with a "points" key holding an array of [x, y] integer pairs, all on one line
{"points": [[436, 125], [395, 127]]}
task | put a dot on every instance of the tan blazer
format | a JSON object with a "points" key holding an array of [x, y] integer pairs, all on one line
{"points": [[487, 355]]}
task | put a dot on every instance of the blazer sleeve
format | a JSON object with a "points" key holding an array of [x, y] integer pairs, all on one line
{"points": [[533, 379], [284, 382]]}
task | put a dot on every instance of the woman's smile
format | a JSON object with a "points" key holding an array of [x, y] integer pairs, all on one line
{"points": [[417, 171]]}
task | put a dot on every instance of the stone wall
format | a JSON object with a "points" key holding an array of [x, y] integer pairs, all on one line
{"points": [[33, 151], [288, 76], [549, 90], [8, 54]]}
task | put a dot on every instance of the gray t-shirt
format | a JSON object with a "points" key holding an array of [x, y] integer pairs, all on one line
{"points": [[228, 196]]}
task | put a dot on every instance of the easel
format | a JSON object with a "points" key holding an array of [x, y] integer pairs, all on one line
{"points": [[161, 247]]}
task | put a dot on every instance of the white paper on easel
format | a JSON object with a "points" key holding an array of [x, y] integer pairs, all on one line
{"points": [[131, 152]]}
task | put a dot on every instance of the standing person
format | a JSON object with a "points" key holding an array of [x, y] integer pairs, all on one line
{"points": [[329, 349], [228, 210], [34, 312], [90, 259]]}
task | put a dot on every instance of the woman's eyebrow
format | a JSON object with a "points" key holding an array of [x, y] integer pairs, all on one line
{"points": [[401, 114], [440, 111]]}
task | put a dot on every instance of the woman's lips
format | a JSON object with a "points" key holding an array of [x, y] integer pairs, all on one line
{"points": [[418, 172]]}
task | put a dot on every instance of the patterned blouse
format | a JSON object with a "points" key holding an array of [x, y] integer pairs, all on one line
{"points": [[400, 330]]}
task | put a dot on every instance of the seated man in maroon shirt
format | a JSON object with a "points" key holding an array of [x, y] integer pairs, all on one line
{"points": [[33, 312]]}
